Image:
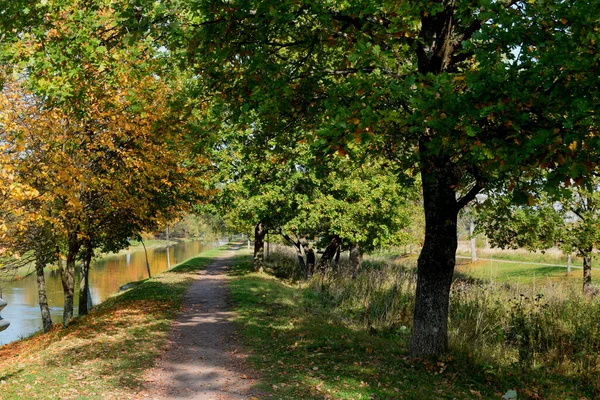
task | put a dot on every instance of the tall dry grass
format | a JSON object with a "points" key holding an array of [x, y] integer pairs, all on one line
{"points": [[550, 327]]}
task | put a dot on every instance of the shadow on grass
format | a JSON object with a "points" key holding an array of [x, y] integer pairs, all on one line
{"points": [[241, 265], [304, 351], [112, 346], [193, 265]]}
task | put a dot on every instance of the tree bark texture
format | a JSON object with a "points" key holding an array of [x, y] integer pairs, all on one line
{"points": [[68, 277], [436, 263], [40, 263], [356, 257], [84, 281], [310, 256], [332, 250], [260, 232], [587, 273], [440, 177]]}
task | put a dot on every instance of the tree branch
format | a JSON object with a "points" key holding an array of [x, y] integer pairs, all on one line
{"points": [[286, 237], [471, 194]]}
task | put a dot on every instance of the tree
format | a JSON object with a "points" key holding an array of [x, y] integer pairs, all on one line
{"points": [[473, 96], [96, 132], [573, 223], [284, 188], [360, 207]]}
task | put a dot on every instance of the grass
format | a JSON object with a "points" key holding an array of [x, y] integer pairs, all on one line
{"points": [[341, 338], [550, 256], [304, 351], [102, 355], [500, 272]]}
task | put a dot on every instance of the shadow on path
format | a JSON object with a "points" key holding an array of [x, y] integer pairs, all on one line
{"points": [[202, 360]]}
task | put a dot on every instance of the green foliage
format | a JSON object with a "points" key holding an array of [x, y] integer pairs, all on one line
{"points": [[285, 189], [474, 95], [207, 227], [511, 226], [360, 77], [573, 222]]}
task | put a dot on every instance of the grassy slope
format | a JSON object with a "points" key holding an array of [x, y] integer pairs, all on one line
{"points": [[304, 352], [516, 273], [519, 273], [102, 355]]}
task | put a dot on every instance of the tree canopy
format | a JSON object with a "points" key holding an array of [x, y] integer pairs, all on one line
{"points": [[472, 96]]}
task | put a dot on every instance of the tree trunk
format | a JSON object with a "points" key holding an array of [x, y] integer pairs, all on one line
{"points": [[587, 273], [40, 263], [568, 264], [147, 262], [84, 281], [332, 250], [436, 262], [473, 247], [338, 253], [259, 246], [168, 257], [310, 256], [356, 258], [68, 277]]}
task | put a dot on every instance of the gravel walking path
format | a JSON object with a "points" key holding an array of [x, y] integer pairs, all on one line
{"points": [[202, 360]]}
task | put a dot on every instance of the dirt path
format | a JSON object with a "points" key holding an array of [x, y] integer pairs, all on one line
{"points": [[202, 359]]}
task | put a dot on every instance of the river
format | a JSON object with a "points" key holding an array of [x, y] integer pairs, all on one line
{"points": [[106, 276]]}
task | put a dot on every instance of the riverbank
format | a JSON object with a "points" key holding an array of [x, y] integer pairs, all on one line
{"points": [[26, 270], [102, 355]]}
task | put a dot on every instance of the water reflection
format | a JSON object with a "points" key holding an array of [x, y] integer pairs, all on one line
{"points": [[106, 276]]}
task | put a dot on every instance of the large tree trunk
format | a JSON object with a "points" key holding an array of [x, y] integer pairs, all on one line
{"points": [[356, 258], [68, 277], [84, 281], [310, 256], [587, 272], [436, 262], [40, 263], [332, 250], [259, 246]]}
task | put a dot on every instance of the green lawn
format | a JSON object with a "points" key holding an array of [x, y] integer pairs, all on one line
{"points": [[518, 273]]}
